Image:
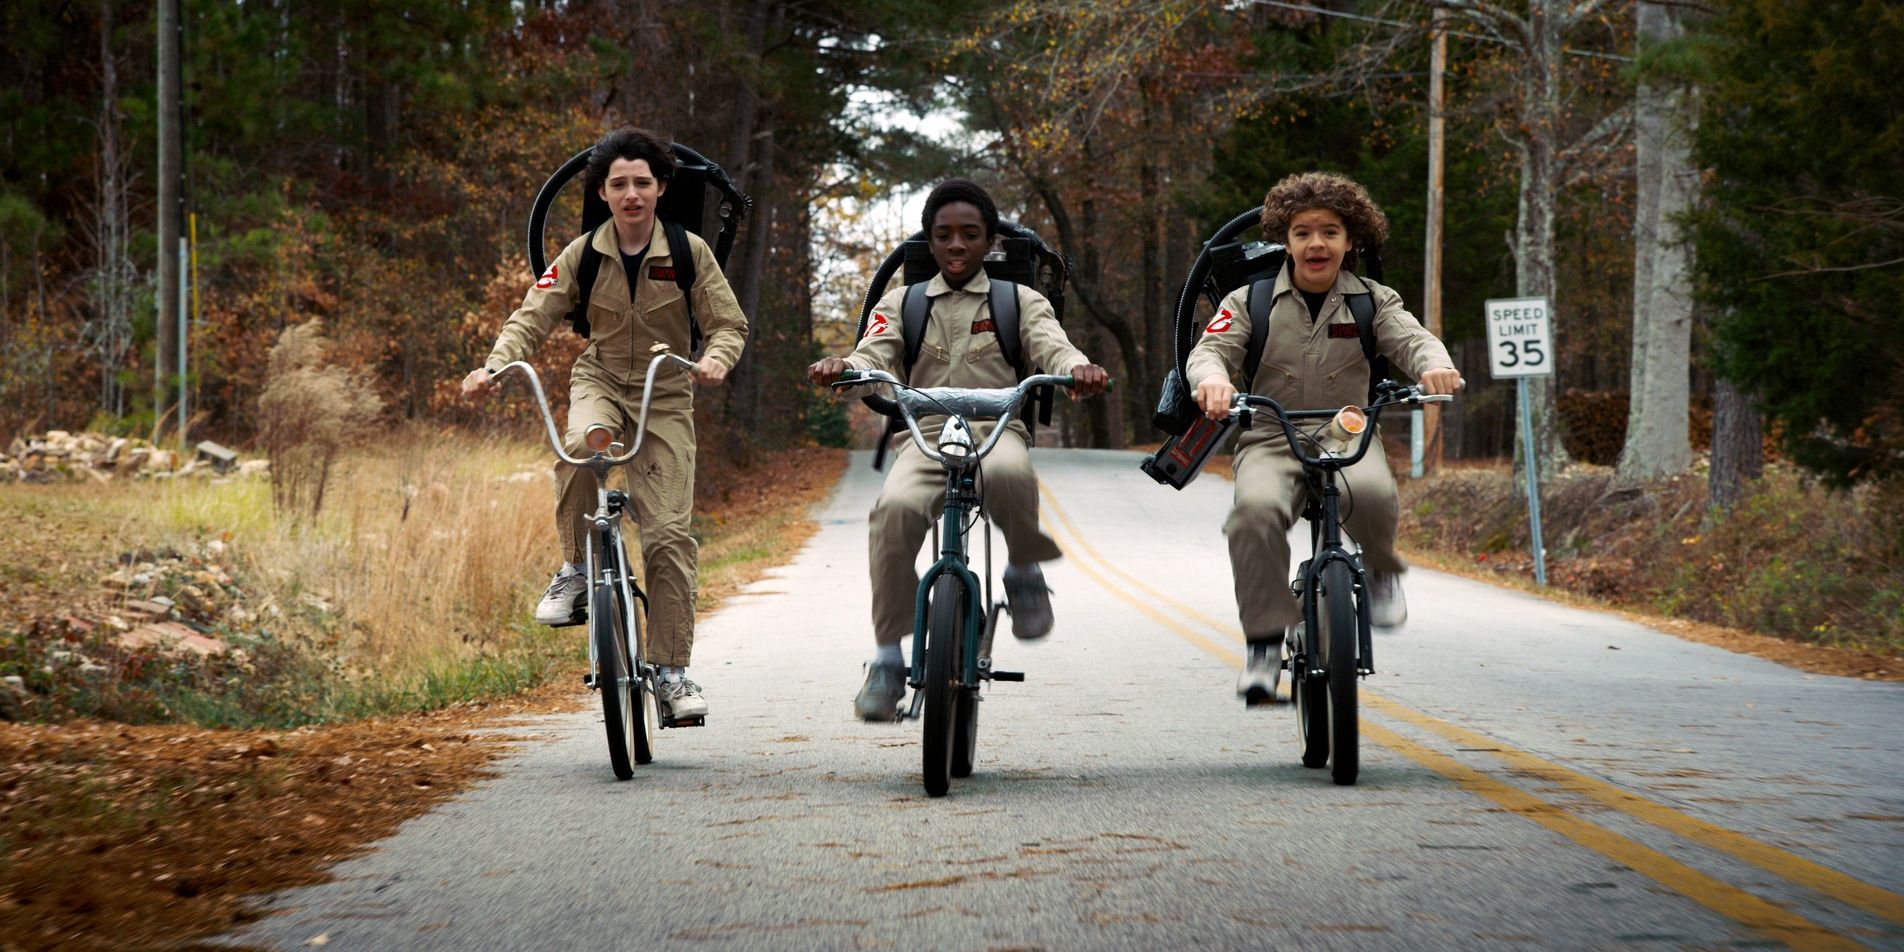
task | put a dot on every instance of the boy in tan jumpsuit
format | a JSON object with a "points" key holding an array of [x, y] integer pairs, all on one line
{"points": [[1312, 359], [630, 168], [959, 349]]}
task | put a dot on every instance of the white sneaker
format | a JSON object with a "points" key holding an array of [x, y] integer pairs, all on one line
{"points": [[1387, 607], [681, 700], [1262, 668], [566, 599]]}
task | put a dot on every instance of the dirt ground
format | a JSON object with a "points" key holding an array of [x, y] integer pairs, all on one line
{"points": [[143, 837]]}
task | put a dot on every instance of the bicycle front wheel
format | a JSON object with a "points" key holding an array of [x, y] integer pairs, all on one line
{"points": [[646, 711], [945, 631], [614, 676], [1337, 615]]}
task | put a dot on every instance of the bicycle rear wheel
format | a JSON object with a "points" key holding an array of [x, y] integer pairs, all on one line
{"points": [[647, 714], [945, 629], [1312, 700], [1337, 641], [614, 678]]}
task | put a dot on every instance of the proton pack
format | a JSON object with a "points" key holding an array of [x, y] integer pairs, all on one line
{"points": [[1018, 257], [683, 207], [1224, 264]]}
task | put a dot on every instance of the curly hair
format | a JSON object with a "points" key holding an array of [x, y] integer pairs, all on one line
{"points": [[961, 190], [1338, 193], [628, 143]]}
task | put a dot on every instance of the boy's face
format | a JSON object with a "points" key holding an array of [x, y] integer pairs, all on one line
{"points": [[1317, 242], [632, 192], [958, 241]]}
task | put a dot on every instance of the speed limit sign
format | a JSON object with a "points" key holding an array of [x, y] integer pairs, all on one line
{"points": [[1517, 338]]}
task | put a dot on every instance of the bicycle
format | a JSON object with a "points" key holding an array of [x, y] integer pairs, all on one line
{"points": [[615, 663], [953, 626], [1330, 649]]}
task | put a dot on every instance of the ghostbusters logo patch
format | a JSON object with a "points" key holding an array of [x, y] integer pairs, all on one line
{"points": [[877, 325], [547, 280], [1222, 323]]}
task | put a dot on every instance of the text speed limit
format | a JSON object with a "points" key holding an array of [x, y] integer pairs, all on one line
{"points": [[1518, 341]]}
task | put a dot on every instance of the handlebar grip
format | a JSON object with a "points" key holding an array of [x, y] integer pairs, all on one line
{"points": [[847, 377]]}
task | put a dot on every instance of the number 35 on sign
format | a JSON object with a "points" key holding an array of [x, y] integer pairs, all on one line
{"points": [[1518, 341]]}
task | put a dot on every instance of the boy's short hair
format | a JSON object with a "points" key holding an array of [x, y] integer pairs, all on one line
{"points": [[961, 190], [628, 143], [1338, 193]]}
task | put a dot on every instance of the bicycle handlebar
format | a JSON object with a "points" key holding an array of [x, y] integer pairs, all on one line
{"points": [[641, 423], [958, 402], [1390, 394]]}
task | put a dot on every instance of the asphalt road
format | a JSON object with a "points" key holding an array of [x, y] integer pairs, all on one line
{"points": [[1533, 776]]}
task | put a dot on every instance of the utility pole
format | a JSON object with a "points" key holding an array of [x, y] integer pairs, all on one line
{"points": [[1431, 266], [166, 343]]}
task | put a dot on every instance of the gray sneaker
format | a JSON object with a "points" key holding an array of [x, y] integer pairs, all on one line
{"points": [[1387, 607], [878, 698], [1029, 600], [681, 700], [566, 598], [1262, 668]]}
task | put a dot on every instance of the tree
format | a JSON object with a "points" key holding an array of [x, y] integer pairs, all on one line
{"points": [[1800, 241], [1556, 139], [1658, 409]]}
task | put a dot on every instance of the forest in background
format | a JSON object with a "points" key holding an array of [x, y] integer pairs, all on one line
{"points": [[371, 164]]}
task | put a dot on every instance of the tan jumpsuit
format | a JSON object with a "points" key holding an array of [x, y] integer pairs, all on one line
{"points": [[605, 387], [959, 349], [1306, 366]]}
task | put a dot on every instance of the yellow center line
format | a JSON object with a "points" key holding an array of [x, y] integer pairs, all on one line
{"points": [[1728, 900]]}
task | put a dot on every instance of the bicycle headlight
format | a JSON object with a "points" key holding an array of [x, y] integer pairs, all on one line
{"points": [[955, 440]]}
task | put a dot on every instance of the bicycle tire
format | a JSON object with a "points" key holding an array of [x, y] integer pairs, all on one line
{"points": [[1312, 704], [945, 629], [612, 678], [965, 732], [1337, 615], [647, 713]]}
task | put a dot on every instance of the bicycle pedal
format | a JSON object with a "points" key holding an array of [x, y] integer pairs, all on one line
{"points": [[588, 681], [1008, 675], [579, 618], [690, 722], [1257, 697]]}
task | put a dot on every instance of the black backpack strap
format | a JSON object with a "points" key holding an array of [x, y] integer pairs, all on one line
{"points": [[684, 276], [914, 310], [1363, 307], [586, 269], [1262, 294], [1004, 304]]}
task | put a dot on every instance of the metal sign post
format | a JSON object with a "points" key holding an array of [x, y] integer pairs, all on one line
{"points": [[1519, 346]]}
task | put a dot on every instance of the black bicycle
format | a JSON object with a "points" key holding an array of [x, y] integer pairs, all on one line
{"points": [[616, 665], [1330, 649], [952, 627]]}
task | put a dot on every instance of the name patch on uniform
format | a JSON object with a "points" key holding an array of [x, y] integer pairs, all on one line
{"points": [[986, 326], [659, 273], [1345, 330], [547, 280], [1222, 323]]}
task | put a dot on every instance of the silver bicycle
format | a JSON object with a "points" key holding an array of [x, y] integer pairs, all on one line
{"points": [[616, 665]]}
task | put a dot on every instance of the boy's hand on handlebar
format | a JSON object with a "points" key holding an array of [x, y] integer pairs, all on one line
{"points": [[478, 382], [1088, 380], [826, 370], [1215, 393], [1446, 380], [710, 372]]}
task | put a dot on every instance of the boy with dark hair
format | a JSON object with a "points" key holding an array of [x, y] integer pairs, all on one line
{"points": [[1313, 358], [959, 349], [632, 307]]}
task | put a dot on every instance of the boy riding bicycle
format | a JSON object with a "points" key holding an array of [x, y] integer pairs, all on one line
{"points": [[633, 305], [1313, 357], [960, 349]]}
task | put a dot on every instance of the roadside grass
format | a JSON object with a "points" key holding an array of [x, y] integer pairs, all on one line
{"points": [[411, 590], [1793, 559]]}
